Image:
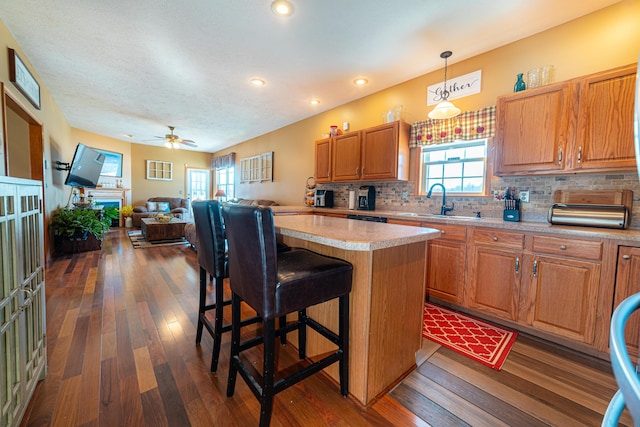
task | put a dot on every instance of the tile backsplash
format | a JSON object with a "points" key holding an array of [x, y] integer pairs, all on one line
{"points": [[389, 195]]}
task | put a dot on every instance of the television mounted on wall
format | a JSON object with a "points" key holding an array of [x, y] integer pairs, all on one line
{"points": [[85, 168]]}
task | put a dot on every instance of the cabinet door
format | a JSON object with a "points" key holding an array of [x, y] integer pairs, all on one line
{"points": [[381, 152], [346, 157], [531, 130], [445, 270], [561, 297], [604, 138], [627, 284], [323, 160], [495, 275]]}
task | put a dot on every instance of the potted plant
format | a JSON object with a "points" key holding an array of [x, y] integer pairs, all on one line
{"points": [[78, 226], [127, 213]]}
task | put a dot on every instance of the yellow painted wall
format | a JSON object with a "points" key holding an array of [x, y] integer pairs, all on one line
{"points": [[596, 42], [18, 131]]}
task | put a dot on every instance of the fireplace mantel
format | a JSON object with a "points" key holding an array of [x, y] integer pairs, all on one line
{"points": [[110, 193]]}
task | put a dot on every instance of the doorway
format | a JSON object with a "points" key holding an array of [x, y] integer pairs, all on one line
{"points": [[198, 184]]}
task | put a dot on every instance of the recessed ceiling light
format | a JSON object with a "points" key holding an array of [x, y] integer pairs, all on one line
{"points": [[360, 81], [314, 101], [258, 82], [282, 8]]}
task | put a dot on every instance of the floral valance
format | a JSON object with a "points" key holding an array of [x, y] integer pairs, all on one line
{"points": [[223, 161], [467, 126]]}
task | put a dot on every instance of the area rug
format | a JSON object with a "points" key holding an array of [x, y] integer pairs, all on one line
{"points": [[138, 241], [481, 341]]}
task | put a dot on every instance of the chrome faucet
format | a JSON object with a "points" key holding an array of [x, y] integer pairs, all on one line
{"points": [[444, 209]]}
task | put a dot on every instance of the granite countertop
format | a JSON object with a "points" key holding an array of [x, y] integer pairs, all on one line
{"points": [[350, 235], [530, 226]]}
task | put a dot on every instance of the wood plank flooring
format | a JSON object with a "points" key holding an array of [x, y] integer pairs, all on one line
{"points": [[121, 352]]}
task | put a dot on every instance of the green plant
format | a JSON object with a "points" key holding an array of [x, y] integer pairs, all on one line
{"points": [[77, 223]]}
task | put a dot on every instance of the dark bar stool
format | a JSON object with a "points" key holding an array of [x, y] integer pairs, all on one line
{"points": [[275, 284], [213, 261]]}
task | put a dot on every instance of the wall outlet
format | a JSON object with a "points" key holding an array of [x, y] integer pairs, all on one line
{"points": [[524, 196]]}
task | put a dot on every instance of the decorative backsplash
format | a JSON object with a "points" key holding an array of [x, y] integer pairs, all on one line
{"points": [[389, 195]]}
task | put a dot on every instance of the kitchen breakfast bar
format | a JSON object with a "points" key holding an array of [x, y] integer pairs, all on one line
{"points": [[387, 297]]}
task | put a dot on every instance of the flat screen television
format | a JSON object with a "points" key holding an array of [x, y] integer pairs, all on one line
{"points": [[85, 167]]}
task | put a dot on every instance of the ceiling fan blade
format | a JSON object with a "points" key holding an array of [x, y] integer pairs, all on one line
{"points": [[189, 142]]}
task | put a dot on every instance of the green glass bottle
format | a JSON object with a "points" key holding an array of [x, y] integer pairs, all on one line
{"points": [[520, 84]]}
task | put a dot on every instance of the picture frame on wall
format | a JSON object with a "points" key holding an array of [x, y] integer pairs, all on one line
{"points": [[22, 78], [112, 165]]}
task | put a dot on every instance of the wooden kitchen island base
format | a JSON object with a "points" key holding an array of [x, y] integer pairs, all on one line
{"points": [[387, 297]]}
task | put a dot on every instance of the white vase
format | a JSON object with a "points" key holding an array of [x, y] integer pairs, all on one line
{"points": [[128, 222]]}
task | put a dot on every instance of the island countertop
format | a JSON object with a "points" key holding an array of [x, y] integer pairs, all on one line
{"points": [[350, 235]]}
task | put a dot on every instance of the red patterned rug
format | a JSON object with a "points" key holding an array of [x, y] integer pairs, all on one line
{"points": [[483, 342]]}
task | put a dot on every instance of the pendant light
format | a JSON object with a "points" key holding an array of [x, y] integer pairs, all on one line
{"points": [[444, 109]]}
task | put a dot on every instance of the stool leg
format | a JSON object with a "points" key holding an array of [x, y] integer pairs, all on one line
{"points": [[217, 336], [234, 359], [343, 329], [302, 333], [201, 303], [269, 368]]}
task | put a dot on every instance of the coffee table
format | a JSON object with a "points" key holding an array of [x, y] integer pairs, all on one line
{"points": [[154, 230]]}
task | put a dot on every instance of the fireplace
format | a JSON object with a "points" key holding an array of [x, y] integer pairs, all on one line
{"points": [[110, 203], [116, 197]]}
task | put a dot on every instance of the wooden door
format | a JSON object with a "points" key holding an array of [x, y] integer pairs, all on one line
{"points": [[346, 157], [445, 270], [531, 130], [323, 160], [627, 284], [562, 296], [604, 132], [380, 152], [495, 275]]}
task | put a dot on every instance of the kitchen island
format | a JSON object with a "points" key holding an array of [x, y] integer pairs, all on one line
{"points": [[387, 297]]}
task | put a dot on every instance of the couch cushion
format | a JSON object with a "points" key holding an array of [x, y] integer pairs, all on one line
{"points": [[152, 206]]}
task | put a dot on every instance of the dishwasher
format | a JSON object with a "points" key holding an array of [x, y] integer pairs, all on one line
{"points": [[367, 218]]}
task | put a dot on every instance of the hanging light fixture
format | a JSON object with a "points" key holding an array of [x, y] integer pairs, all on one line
{"points": [[444, 109]]}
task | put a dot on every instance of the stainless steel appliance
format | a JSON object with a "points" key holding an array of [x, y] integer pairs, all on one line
{"points": [[367, 218], [589, 215], [367, 198], [324, 198]]}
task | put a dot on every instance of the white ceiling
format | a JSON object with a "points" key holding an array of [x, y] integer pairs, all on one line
{"points": [[133, 67]]}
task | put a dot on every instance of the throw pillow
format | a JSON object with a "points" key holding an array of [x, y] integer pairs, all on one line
{"points": [[164, 207], [152, 206]]}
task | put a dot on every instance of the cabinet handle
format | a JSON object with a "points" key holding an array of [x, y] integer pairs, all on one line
{"points": [[563, 247], [357, 169], [517, 264], [560, 156], [329, 174], [495, 238], [626, 257], [535, 268], [580, 154], [362, 171]]}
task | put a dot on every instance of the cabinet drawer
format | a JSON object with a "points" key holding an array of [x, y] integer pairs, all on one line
{"points": [[587, 249], [449, 232], [500, 238]]}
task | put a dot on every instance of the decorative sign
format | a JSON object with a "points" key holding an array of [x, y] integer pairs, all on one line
{"points": [[458, 87], [20, 76]]}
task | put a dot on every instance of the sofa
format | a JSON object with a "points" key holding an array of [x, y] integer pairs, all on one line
{"points": [[174, 205], [190, 228]]}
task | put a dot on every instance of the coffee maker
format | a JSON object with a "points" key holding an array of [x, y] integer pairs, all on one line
{"points": [[367, 198], [324, 198]]}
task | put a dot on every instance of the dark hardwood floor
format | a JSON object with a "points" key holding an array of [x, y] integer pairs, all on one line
{"points": [[121, 352]]}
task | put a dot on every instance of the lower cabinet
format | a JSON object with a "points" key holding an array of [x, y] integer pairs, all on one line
{"points": [[22, 296], [627, 284], [495, 272], [446, 260]]}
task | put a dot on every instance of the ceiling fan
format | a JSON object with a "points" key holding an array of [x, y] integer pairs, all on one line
{"points": [[173, 141]]}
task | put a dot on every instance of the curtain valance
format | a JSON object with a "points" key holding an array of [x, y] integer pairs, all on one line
{"points": [[467, 126], [223, 161]]}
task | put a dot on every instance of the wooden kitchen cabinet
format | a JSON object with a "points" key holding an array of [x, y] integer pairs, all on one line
{"points": [[495, 272], [446, 260], [375, 154], [323, 161], [581, 125], [627, 284], [561, 290]]}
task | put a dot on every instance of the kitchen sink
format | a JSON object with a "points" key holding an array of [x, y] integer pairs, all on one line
{"points": [[426, 215]]}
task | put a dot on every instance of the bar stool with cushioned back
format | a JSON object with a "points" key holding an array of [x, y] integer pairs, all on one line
{"points": [[213, 260], [275, 284]]}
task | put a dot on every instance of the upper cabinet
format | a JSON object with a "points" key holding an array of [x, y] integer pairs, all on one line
{"points": [[374, 154], [582, 125]]}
